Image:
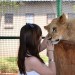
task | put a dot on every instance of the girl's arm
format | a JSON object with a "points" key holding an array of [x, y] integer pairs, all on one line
{"points": [[43, 45], [41, 68], [50, 54]]}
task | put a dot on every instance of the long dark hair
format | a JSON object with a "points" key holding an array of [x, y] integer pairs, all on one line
{"points": [[29, 44]]}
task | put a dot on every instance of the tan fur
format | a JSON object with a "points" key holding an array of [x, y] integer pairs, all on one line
{"points": [[65, 50], [65, 58], [65, 29]]}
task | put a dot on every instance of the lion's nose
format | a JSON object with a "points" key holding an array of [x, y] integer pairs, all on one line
{"points": [[50, 38]]}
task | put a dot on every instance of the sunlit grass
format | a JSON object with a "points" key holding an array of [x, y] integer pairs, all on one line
{"points": [[45, 58], [9, 64]]}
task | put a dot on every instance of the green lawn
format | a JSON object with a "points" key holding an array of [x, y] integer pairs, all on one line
{"points": [[9, 64], [45, 58]]}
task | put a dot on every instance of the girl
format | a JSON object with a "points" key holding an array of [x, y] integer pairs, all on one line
{"points": [[29, 60]]}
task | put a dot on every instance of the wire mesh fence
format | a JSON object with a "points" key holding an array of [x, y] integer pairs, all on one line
{"points": [[8, 55], [15, 14]]}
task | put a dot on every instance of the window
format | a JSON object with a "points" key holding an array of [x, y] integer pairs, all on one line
{"points": [[29, 18], [8, 18], [50, 17], [71, 15]]}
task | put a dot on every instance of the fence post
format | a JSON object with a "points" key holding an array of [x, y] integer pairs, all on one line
{"points": [[59, 7]]}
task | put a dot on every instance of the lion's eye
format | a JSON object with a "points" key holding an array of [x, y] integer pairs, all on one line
{"points": [[54, 29]]}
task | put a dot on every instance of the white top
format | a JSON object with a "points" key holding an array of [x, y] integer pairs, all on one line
{"points": [[31, 73]]}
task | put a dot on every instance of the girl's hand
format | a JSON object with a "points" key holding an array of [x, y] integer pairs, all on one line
{"points": [[45, 41], [50, 49], [50, 46], [43, 45]]}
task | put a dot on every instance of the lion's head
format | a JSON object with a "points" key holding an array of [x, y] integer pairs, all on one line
{"points": [[56, 29]]}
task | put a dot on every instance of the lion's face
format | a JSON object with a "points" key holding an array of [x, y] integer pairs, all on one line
{"points": [[56, 29]]}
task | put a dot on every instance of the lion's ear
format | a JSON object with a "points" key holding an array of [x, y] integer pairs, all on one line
{"points": [[62, 19], [47, 27]]}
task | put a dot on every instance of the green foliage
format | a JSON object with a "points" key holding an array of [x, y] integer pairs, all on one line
{"points": [[73, 7], [11, 59], [45, 58], [9, 3], [5, 4], [8, 65]]}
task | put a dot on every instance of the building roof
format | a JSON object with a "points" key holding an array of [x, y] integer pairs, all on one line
{"points": [[28, 0], [35, 0]]}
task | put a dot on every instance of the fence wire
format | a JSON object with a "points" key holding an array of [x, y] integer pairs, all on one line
{"points": [[13, 15]]}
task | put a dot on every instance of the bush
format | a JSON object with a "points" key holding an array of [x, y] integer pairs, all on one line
{"points": [[8, 65]]}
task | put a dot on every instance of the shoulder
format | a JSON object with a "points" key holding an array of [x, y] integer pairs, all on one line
{"points": [[33, 60], [35, 63], [39, 67]]}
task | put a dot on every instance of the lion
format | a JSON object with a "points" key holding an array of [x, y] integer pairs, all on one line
{"points": [[61, 32], [61, 28]]}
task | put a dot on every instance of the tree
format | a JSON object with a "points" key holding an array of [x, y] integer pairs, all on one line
{"points": [[3, 4]]}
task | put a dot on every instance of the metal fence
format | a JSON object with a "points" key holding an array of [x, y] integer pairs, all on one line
{"points": [[15, 14]]}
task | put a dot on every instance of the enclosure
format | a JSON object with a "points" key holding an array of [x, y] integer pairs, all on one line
{"points": [[16, 13]]}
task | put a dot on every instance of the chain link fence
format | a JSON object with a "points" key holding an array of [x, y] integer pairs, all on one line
{"points": [[15, 14]]}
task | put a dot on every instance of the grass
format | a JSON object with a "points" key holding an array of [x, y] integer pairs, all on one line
{"points": [[45, 58], [9, 65]]}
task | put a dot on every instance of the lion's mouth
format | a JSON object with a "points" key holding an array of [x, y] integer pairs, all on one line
{"points": [[55, 41]]}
